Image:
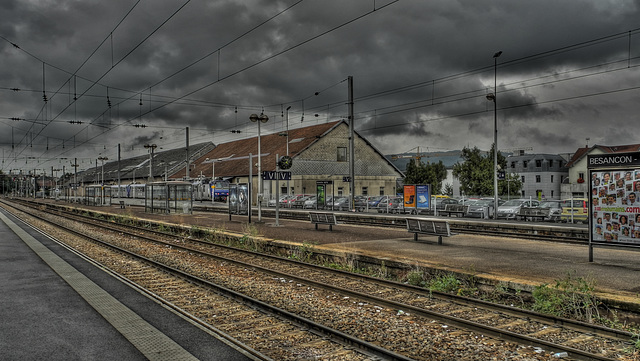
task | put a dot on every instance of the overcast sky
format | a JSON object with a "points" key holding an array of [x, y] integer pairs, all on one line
{"points": [[421, 72]]}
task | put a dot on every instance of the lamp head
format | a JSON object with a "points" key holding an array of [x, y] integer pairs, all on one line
{"points": [[491, 97], [253, 117], [264, 118], [497, 55]]}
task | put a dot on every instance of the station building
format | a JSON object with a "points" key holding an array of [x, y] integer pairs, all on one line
{"points": [[320, 153]]}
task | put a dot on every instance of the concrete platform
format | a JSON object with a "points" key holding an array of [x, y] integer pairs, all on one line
{"points": [[56, 306]]}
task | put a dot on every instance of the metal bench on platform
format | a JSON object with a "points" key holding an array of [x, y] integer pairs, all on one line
{"points": [[533, 212], [457, 209], [428, 226], [323, 218]]}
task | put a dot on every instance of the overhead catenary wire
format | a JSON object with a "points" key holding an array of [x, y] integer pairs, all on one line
{"points": [[428, 83]]}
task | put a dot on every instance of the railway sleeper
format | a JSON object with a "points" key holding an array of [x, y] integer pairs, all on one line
{"points": [[546, 331]]}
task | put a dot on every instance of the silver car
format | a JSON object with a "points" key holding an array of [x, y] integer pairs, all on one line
{"points": [[481, 208], [555, 210], [510, 209]]}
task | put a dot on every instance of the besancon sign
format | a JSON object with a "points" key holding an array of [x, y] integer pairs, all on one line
{"points": [[613, 160]]}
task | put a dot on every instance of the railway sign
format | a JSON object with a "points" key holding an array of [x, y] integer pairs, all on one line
{"points": [[268, 175]]}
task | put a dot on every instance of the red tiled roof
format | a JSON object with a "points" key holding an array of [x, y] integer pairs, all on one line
{"points": [[235, 155]]}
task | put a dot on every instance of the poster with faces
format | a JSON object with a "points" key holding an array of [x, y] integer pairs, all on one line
{"points": [[615, 206]]}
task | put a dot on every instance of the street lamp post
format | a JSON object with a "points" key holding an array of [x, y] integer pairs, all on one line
{"points": [[287, 119], [213, 178], [259, 119], [102, 159], [492, 97]]}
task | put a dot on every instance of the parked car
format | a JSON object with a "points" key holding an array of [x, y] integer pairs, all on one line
{"points": [[311, 202], [391, 205], [511, 208], [272, 202], [555, 210], [441, 203], [482, 208], [361, 203], [288, 202], [576, 207], [375, 200], [299, 201], [341, 204]]}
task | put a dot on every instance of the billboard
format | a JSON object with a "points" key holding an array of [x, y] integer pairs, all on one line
{"points": [[423, 196], [409, 196], [239, 198], [615, 207], [417, 196]]}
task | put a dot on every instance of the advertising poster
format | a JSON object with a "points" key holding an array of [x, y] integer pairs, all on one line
{"points": [[243, 198], [239, 199], [320, 195], [409, 196], [423, 196], [615, 208]]}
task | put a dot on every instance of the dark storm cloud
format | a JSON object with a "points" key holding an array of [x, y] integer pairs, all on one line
{"points": [[421, 71]]}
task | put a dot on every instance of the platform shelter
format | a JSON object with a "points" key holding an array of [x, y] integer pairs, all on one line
{"points": [[97, 195], [169, 197]]}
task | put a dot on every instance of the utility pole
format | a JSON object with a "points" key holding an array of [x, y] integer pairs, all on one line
{"points": [[352, 180], [188, 160], [118, 170]]}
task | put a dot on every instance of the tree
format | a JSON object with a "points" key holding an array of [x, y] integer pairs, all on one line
{"points": [[432, 173], [475, 174], [448, 189]]}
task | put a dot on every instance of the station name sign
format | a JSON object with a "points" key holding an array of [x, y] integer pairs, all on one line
{"points": [[613, 160]]}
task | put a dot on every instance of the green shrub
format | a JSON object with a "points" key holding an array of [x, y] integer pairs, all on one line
{"points": [[571, 297]]}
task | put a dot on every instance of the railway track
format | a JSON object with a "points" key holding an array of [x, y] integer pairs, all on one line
{"points": [[578, 340], [266, 331]]}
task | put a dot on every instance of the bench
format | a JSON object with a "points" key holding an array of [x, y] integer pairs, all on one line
{"points": [[457, 209], [428, 226], [323, 218], [533, 212], [122, 205]]}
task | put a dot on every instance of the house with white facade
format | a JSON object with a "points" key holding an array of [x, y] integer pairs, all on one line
{"points": [[576, 184]]}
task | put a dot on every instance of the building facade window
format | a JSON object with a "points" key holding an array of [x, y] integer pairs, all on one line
{"points": [[581, 175], [550, 163], [381, 191], [538, 163], [522, 179], [365, 191], [524, 164], [513, 164], [538, 178], [342, 154], [552, 193], [552, 178], [340, 191]]}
